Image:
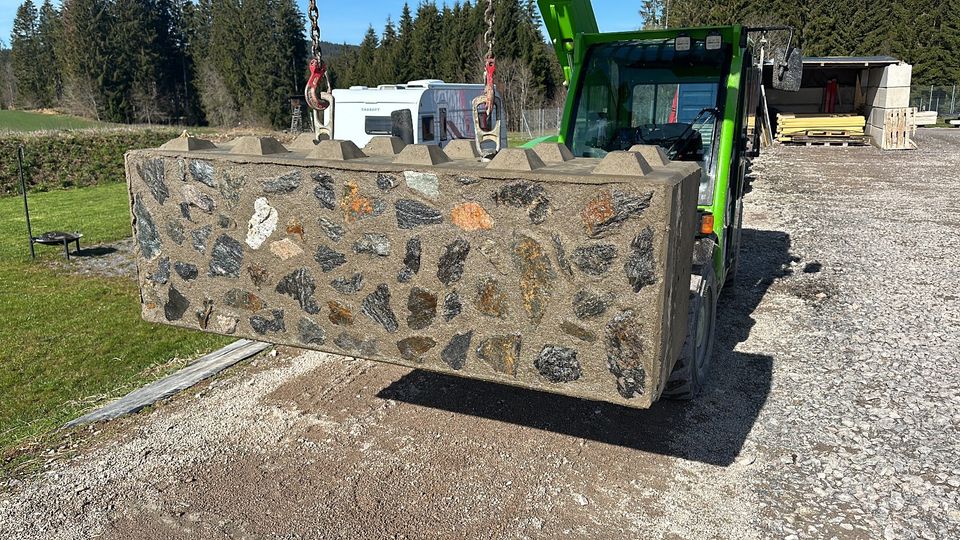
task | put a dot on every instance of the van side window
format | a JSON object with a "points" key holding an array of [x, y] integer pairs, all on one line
{"points": [[378, 125], [444, 135], [426, 129]]}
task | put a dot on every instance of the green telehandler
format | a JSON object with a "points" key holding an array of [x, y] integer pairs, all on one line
{"points": [[691, 91], [588, 265]]}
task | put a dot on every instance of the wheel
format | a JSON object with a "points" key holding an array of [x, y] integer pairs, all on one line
{"points": [[690, 372]]}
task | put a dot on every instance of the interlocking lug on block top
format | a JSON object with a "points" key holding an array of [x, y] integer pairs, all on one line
{"points": [[623, 164], [336, 150], [384, 145], [421, 154], [516, 159], [257, 146]]}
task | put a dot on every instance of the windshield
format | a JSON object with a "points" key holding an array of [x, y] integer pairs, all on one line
{"points": [[643, 92]]}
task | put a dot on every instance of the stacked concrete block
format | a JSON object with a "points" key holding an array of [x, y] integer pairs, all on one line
{"points": [[535, 269], [887, 91]]}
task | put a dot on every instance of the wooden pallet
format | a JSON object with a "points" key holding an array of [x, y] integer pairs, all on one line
{"points": [[826, 141]]}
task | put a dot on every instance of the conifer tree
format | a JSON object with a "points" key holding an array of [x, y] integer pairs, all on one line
{"points": [[366, 67], [26, 49], [48, 31], [88, 64], [425, 42], [386, 55], [405, 45]]}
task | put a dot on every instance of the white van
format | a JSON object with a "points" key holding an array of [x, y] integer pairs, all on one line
{"points": [[427, 111]]}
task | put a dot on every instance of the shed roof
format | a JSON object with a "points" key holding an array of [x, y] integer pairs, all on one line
{"points": [[846, 61]]}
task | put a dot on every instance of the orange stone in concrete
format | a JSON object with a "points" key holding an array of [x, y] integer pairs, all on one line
{"points": [[597, 211], [471, 217]]}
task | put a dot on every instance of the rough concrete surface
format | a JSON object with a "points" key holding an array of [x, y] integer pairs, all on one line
{"points": [[832, 410]]}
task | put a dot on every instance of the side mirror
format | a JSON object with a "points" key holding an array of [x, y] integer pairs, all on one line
{"points": [[788, 72]]}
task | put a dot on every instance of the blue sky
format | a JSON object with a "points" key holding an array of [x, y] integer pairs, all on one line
{"points": [[347, 21]]}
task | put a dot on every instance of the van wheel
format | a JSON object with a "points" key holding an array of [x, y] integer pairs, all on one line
{"points": [[690, 372]]}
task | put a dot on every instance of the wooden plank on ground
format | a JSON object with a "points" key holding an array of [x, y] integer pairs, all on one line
{"points": [[204, 368]]}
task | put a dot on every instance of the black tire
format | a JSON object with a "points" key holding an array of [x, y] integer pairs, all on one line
{"points": [[690, 372]]}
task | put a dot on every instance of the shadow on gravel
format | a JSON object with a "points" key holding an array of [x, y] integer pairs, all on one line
{"points": [[710, 429]]}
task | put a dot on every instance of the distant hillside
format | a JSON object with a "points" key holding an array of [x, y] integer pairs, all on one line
{"points": [[334, 50]]}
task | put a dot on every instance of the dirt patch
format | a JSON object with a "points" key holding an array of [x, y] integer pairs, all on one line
{"points": [[101, 260]]}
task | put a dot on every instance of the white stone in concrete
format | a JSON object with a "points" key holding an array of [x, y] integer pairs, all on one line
{"points": [[262, 223]]}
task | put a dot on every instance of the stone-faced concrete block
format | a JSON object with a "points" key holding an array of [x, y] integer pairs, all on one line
{"points": [[556, 279]]}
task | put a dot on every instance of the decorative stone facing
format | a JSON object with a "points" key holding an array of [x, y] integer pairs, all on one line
{"points": [[550, 279]]}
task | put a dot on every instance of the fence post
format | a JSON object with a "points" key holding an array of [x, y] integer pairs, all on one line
{"points": [[930, 100], [953, 99]]}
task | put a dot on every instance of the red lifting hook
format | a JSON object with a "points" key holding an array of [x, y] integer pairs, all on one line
{"points": [[486, 118], [318, 71]]}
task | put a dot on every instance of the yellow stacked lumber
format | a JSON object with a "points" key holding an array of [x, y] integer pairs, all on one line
{"points": [[790, 126]]}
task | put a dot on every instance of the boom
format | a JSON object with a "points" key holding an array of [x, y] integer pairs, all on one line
{"points": [[565, 19]]}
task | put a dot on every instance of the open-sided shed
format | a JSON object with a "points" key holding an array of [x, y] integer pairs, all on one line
{"points": [[876, 87]]}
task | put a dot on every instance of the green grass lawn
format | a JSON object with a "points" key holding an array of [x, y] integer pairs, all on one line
{"points": [[33, 121], [70, 342]]}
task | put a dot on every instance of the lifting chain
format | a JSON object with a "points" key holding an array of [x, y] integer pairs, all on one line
{"points": [[486, 129], [320, 101]]}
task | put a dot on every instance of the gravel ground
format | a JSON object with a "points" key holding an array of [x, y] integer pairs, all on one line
{"points": [[832, 411]]}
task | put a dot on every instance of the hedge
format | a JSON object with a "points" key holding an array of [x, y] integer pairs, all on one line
{"points": [[66, 159]]}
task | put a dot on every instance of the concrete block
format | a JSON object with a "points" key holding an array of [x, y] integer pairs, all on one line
{"points": [[889, 98], [257, 146], [555, 279], [895, 75], [384, 145]]}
